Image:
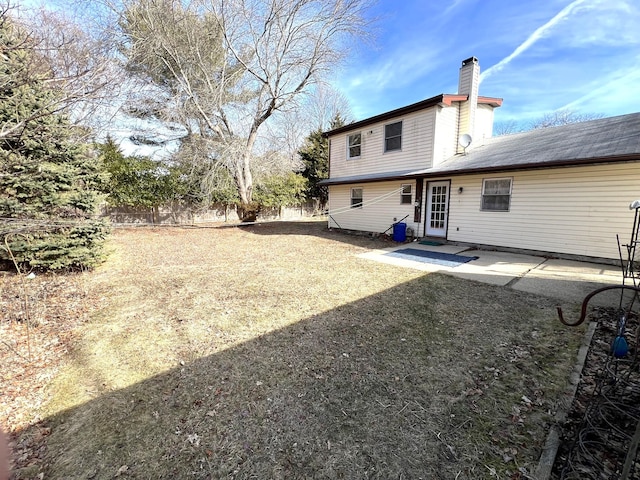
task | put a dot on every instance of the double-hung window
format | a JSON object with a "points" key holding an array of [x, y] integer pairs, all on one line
{"points": [[354, 145], [405, 195], [356, 198], [496, 194], [393, 137]]}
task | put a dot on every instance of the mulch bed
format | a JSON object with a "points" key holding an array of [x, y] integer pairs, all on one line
{"points": [[599, 438]]}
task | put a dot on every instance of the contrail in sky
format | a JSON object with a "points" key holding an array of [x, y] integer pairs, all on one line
{"points": [[534, 37]]}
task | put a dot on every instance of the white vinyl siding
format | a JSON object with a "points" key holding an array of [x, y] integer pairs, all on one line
{"points": [[380, 207], [484, 125], [445, 133], [416, 153], [576, 210], [466, 124]]}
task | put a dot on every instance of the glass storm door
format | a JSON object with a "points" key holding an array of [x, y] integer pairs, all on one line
{"points": [[437, 205]]}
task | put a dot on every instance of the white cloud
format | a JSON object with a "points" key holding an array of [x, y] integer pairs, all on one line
{"points": [[398, 68], [586, 63], [538, 34], [454, 5], [603, 23], [615, 88]]}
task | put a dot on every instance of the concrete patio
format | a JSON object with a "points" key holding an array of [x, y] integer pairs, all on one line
{"points": [[566, 280]]}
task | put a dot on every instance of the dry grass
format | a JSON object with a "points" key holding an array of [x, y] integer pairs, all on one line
{"points": [[39, 316], [273, 351]]}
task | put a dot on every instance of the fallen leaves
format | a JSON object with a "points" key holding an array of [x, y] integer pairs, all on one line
{"points": [[122, 470], [39, 317]]}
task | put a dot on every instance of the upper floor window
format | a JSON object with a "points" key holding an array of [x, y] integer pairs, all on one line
{"points": [[393, 136], [496, 194], [405, 195], [356, 198], [354, 146]]}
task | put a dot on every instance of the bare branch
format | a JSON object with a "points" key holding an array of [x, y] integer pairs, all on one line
{"points": [[562, 117], [73, 65], [230, 65]]}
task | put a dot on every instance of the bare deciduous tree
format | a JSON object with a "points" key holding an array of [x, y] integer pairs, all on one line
{"points": [[552, 119], [74, 66], [562, 117], [506, 127], [287, 131], [324, 105], [228, 66]]}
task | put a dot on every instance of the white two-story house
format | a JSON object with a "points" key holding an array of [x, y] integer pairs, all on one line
{"points": [[435, 166]]}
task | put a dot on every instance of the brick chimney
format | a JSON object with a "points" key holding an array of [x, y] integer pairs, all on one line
{"points": [[468, 84]]}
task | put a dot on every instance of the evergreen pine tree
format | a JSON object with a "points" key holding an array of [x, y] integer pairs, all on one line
{"points": [[48, 182], [315, 158]]}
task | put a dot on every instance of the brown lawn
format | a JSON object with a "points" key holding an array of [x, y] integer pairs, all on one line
{"points": [[271, 352]]}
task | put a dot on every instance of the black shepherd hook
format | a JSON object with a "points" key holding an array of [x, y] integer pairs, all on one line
{"points": [[585, 303]]}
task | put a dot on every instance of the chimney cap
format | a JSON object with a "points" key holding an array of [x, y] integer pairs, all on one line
{"points": [[469, 60]]}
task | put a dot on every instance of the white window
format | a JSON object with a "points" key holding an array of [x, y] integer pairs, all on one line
{"points": [[356, 198], [393, 137], [354, 145], [496, 194], [405, 194]]}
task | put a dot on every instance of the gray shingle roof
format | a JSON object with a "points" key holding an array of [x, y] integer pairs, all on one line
{"points": [[605, 139], [371, 177]]}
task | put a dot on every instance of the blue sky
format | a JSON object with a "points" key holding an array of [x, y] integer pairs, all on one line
{"points": [[538, 55]]}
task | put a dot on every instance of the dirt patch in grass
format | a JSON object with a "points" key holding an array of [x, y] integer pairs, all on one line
{"points": [[273, 351]]}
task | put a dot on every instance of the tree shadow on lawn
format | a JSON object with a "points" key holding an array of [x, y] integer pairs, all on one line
{"points": [[320, 229], [402, 384]]}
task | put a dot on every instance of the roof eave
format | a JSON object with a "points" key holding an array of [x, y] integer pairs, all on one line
{"points": [[578, 162], [442, 99], [427, 173], [492, 101], [355, 180], [414, 107]]}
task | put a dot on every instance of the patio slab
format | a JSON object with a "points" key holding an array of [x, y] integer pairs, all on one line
{"points": [[567, 280], [571, 281], [496, 268]]}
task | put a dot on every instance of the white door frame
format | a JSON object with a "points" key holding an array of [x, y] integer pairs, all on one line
{"points": [[437, 214]]}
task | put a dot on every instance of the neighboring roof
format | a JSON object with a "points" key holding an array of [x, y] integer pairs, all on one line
{"points": [[614, 139], [444, 99]]}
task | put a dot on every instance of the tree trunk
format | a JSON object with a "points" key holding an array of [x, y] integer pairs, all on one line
{"points": [[247, 210], [243, 174]]}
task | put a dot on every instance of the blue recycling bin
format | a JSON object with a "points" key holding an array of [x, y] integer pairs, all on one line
{"points": [[400, 232]]}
